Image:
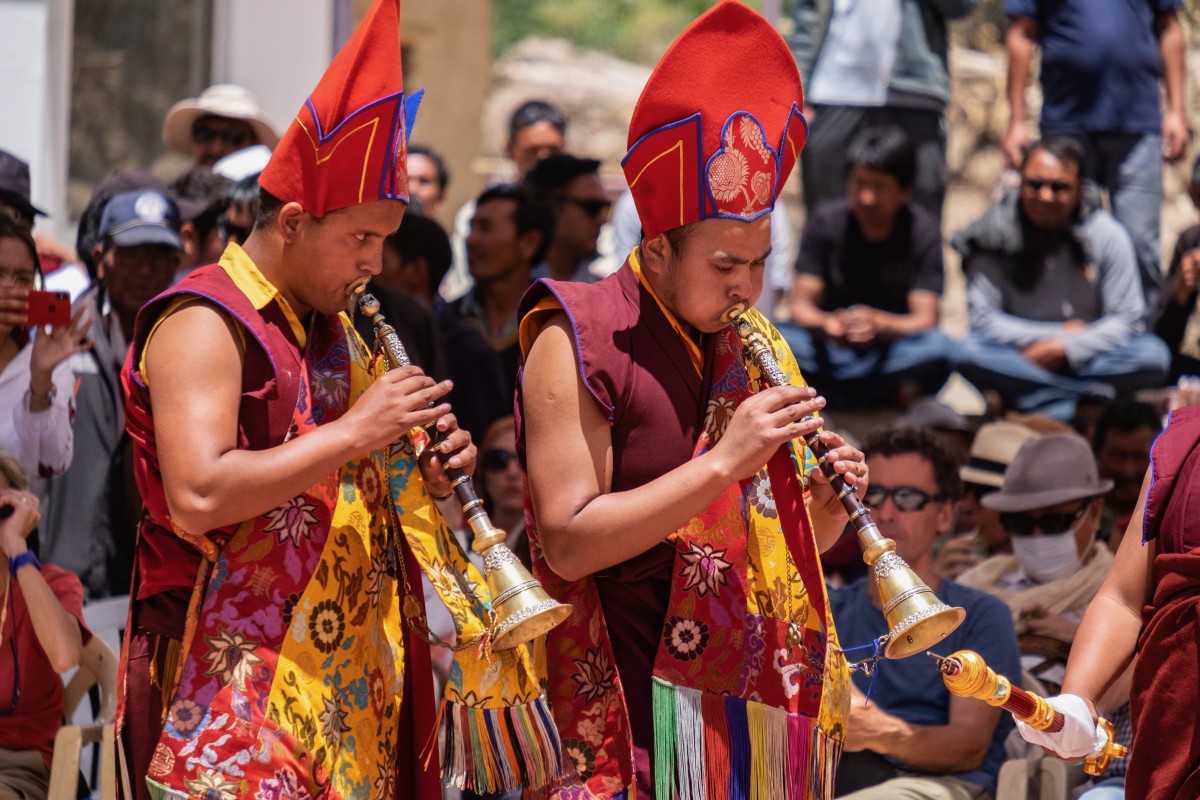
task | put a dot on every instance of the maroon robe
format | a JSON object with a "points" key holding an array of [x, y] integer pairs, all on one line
{"points": [[166, 566], [1165, 752], [641, 376]]}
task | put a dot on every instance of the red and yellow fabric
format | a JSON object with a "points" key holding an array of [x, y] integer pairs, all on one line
{"points": [[718, 127], [292, 684], [751, 692]]}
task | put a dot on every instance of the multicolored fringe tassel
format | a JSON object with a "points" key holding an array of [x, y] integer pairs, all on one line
{"points": [[711, 747], [494, 749]]}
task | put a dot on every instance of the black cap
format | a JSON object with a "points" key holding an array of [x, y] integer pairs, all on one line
{"points": [[14, 184], [141, 217]]}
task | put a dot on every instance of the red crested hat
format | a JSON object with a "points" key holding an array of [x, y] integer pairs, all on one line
{"points": [[349, 142], [718, 127]]}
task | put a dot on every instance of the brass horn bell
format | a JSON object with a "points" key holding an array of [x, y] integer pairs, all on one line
{"points": [[523, 609], [916, 618]]}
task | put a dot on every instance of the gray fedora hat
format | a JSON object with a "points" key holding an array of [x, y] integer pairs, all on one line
{"points": [[1046, 471]]}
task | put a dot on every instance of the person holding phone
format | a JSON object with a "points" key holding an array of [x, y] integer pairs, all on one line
{"points": [[38, 333]]}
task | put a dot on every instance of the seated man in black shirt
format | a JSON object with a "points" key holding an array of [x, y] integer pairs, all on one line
{"points": [[1176, 324], [864, 299]]}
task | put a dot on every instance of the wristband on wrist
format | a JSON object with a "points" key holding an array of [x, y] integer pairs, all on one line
{"points": [[16, 562], [47, 398]]}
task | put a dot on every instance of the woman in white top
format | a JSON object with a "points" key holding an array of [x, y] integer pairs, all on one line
{"points": [[36, 383]]}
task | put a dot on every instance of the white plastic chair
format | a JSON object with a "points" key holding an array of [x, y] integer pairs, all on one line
{"points": [[97, 667]]}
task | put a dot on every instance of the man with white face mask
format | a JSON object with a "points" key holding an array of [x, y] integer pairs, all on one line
{"points": [[1050, 506]]}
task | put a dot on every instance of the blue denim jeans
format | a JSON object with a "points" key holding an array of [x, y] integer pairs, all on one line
{"points": [[1108, 789], [1140, 363], [1130, 167], [853, 378]]}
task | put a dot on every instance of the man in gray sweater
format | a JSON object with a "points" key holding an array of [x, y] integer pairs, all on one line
{"points": [[1053, 294]]}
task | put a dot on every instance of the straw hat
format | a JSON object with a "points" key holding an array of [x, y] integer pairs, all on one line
{"points": [[994, 447], [221, 100]]}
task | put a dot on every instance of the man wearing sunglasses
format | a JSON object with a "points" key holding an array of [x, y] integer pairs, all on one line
{"points": [[1050, 505], [571, 187], [913, 739], [1053, 295], [225, 118]]}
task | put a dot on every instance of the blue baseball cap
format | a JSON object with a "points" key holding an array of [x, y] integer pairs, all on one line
{"points": [[143, 216]]}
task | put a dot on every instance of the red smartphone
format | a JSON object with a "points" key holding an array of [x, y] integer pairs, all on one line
{"points": [[49, 308]]}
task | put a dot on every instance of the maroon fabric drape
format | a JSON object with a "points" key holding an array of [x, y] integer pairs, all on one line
{"points": [[1165, 752]]}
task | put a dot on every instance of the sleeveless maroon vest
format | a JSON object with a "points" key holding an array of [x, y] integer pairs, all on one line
{"points": [[642, 378], [270, 387]]}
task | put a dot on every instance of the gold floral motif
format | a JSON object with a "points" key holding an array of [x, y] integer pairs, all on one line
{"points": [[232, 658], [728, 172]]}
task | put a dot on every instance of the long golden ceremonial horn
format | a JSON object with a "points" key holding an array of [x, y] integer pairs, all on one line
{"points": [[523, 609], [916, 618]]}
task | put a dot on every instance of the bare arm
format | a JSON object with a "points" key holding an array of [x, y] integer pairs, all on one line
{"points": [[1020, 42], [194, 366], [806, 293], [56, 630], [1107, 637], [1172, 49], [585, 526], [958, 746]]}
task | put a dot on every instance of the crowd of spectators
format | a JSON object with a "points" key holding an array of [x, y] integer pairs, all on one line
{"points": [[1069, 311]]}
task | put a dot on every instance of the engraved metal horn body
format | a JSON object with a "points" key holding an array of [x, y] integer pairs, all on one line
{"points": [[523, 610], [916, 618]]}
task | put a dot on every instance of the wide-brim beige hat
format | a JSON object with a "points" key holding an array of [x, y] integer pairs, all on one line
{"points": [[221, 100], [993, 449]]}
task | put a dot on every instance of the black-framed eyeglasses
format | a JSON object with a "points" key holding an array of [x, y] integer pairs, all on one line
{"points": [[497, 460], [906, 498], [1022, 523], [592, 206], [206, 134], [1058, 187], [22, 279], [230, 232]]}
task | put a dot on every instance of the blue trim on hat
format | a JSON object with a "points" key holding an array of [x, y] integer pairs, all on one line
{"points": [[697, 118], [708, 186], [323, 137], [391, 156], [411, 104], [395, 145]]}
